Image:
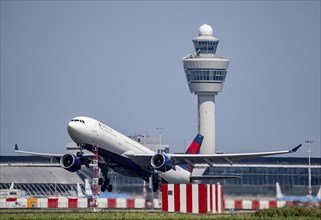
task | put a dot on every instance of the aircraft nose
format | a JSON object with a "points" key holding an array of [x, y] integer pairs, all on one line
{"points": [[72, 130]]}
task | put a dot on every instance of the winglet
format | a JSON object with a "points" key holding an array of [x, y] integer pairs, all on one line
{"points": [[16, 147], [295, 149]]}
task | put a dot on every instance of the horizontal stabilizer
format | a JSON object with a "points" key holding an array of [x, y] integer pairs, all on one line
{"points": [[210, 177]]}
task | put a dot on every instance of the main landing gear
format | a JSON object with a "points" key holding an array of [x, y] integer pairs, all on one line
{"points": [[105, 181], [155, 183]]}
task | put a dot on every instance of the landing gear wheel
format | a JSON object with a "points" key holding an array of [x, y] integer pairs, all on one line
{"points": [[101, 181], [104, 181], [103, 188], [155, 188], [107, 181]]}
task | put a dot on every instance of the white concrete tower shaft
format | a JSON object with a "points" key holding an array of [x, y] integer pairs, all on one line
{"points": [[205, 74], [206, 122]]}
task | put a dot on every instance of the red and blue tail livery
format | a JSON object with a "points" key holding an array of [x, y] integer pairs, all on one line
{"points": [[195, 146]]}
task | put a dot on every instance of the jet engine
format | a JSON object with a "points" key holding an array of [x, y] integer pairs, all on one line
{"points": [[70, 162], [162, 162]]}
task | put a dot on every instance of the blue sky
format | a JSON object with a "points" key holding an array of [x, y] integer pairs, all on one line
{"points": [[121, 63]]}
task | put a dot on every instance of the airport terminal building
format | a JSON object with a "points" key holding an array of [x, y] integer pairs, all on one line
{"points": [[259, 175], [43, 177]]}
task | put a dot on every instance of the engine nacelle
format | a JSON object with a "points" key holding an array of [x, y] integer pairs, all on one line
{"points": [[162, 162], [70, 162]]}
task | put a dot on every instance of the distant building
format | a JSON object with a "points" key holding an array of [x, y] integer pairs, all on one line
{"points": [[151, 142], [259, 175], [37, 177]]}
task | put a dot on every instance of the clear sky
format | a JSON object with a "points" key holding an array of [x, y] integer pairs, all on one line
{"points": [[121, 63]]}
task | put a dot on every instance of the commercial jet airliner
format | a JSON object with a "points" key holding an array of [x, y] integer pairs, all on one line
{"points": [[125, 156]]}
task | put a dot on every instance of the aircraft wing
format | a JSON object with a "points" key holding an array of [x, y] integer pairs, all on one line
{"points": [[211, 159], [56, 156]]}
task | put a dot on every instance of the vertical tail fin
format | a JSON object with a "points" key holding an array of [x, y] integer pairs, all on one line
{"points": [[279, 194], [319, 193], [194, 148]]}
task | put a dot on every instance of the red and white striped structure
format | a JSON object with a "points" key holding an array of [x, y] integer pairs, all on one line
{"points": [[193, 198], [95, 187], [248, 204], [63, 202], [140, 203]]}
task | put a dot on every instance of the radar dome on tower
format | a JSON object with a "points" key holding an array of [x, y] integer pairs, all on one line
{"points": [[205, 30]]}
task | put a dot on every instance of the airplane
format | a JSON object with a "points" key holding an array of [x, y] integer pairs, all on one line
{"points": [[297, 199], [127, 157]]}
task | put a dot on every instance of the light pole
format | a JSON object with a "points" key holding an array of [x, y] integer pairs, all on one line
{"points": [[310, 188], [160, 138]]}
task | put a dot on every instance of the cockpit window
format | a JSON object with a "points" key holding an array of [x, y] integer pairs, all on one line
{"points": [[79, 120]]}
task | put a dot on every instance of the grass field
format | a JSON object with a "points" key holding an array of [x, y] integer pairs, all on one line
{"points": [[47, 214]]}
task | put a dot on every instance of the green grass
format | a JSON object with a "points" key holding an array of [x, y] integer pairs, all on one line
{"points": [[290, 212], [79, 214]]}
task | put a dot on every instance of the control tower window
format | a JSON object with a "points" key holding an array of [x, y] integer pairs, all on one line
{"points": [[205, 46], [206, 75]]}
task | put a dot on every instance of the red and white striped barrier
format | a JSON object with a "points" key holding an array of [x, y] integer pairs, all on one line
{"points": [[192, 198], [255, 204], [215, 198], [189, 199], [63, 202]]}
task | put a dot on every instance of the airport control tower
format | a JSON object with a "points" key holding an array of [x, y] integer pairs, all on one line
{"points": [[205, 73]]}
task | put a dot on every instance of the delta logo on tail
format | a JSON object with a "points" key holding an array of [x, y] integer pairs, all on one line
{"points": [[296, 198]]}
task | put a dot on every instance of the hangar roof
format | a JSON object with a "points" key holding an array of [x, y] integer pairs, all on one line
{"points": [[23, 174]]}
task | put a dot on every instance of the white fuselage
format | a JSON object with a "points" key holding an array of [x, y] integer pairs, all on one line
{"points": [[85, 130]]}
